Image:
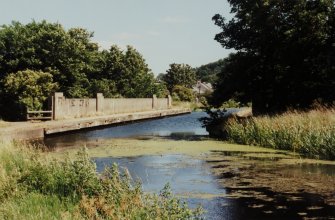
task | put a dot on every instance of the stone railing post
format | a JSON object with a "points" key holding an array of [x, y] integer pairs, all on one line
{"points": [[58, 100], [100, 103], [169, 101], [154, 102]]}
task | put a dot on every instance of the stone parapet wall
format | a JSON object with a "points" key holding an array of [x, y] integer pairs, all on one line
{"points": [[162, 104], [64, 108], [115, 106]]}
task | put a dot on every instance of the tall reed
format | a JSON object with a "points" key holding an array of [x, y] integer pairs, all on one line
{"points": [[309, 133]]}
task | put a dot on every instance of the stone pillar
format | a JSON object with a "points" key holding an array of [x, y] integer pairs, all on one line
{"points": [[100, 103], [58, 100], [169, 101], [154, 102]]}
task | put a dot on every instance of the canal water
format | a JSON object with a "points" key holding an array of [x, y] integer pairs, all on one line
{"points": [[223, 187], [177, 127]]}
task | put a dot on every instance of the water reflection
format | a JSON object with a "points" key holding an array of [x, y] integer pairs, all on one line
{"points": [[179, 127], [189, 178], [184, 173]]}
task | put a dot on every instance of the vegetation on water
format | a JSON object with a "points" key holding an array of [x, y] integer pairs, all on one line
{"points": [[32, 186], [272, 183], [309, 133], [284, 54], [153, 146]]}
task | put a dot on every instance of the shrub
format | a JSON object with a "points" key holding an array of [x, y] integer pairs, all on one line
{"points": [[26, 90], [72, 189], [181, 93]]}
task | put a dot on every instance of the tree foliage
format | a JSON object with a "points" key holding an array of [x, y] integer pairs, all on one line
{"points": [[209, 72], [181, 93], [75, 62], [67, 55], [26, 90], [129, 71], [181, 75], [285, 54]]}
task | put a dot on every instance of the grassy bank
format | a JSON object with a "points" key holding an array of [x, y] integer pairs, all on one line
{"points": [[34, 187], [3, 123], [309, 133]]}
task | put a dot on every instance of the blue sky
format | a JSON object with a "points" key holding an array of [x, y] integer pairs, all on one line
{"points": [[164, 32]]}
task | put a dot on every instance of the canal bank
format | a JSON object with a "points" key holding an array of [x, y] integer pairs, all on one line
{"points": [[229, 181], [37, 130]]}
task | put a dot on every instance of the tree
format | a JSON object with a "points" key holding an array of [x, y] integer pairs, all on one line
{"points": [[285, 53], [181, 75], [105, 86], [68, 55], [160, 77], [74, 62], [26, 90], [209, 72], [131, 74], [181, 93]]}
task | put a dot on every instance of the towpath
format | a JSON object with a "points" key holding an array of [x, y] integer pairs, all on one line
{"points": [[36, 129]]}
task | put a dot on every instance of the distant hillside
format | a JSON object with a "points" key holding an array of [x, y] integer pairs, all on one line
{"points": [[209, 72]]}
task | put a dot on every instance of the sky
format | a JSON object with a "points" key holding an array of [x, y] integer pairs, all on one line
{"points": [[164, 32]]}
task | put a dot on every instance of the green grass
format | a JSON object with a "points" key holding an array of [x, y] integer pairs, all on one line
{"points": [[34, 187], [309, 133], [191, 105], [37, 206]]}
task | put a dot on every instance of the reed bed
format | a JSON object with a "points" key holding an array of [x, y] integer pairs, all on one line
{"points": [[33, 187], [309, 133], [3, 123]]}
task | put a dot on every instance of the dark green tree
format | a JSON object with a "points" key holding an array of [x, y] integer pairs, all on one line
{"points": [[209, 72], [105, 86], [131, 74], [285, 54], [181, 75], [74, 62], [67, 55], [181, 93]]}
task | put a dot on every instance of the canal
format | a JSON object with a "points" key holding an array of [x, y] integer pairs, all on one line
{"points": [[228, 181]]}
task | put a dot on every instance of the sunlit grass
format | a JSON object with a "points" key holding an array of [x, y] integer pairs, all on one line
{"points": [[35, 187], [181, 104], [3, 123], [309, 133]]}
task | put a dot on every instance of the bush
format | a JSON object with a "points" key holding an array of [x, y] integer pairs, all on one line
{"points": [[26, 90], [181, 93]]}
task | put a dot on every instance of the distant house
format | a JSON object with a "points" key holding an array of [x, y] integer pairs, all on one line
{"points": [[202, 88]]}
